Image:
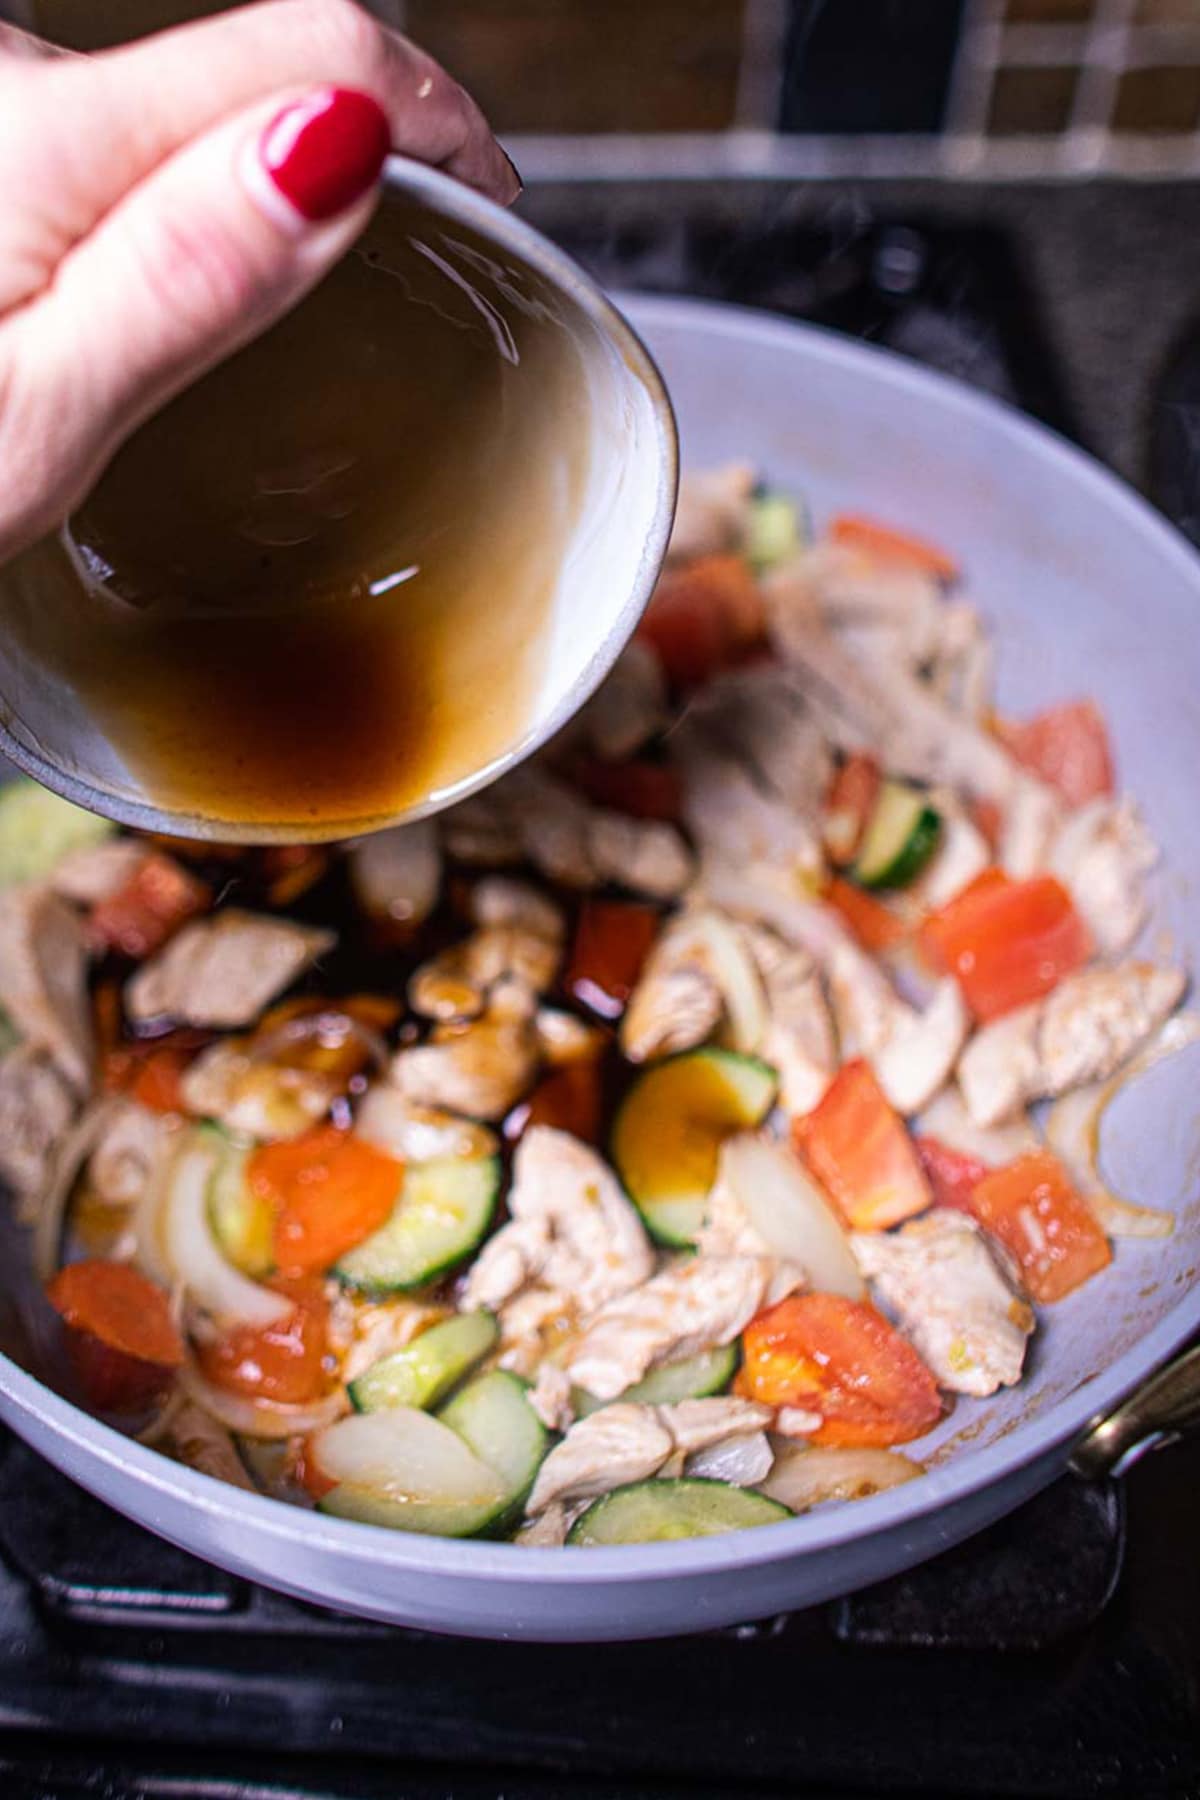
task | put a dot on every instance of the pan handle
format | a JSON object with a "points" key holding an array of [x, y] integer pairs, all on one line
{"points": [[1165, 1408]]}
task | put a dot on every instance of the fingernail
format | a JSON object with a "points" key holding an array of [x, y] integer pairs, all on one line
{"points": [[324, 152], [516, 173]]}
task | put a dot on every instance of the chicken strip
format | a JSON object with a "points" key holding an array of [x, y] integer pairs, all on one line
{"points": [[36, 1107], [223, 971], [415, 1133], [758, 715], [712, 512], [1103, 854], [131, 1148], [583, 846], [456, 983], [678, 1001], [572, 1230], [254, 1095], [480, 1068], [690, 1306], [616, 1445], [1083, 1031], [506, 900], [949, 1295], [735, 819], [94, 872], [800, 1040], [43, 978]]}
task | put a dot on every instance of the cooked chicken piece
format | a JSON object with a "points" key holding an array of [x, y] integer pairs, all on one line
{"points": [[912, 1053], [455, 984], [506, 900], [617, 1444], [961, 668], [949, 1295], [43, 977], [733, 818], [549, 1530], [961, 855], [94, 872], [1103, 853], [743, 1460], [1083, 1031], [690, 1306], [758, 715], [645, 855], [799, 1041], [889, 710], [482, 830], [194, 1437], [480, 1068], [550, 1398], [532, 1324], [572, 1230], [131, 1147], [36, 1108], [698, 1424], [223, 971], [412, 1133], [564, 1038], [712, 511], [883, 611], [254, 1095], [583, 846], [1032, 819], [361, 1331], [948, 1120], [397, 873], [628, 708], [678, 1001]]}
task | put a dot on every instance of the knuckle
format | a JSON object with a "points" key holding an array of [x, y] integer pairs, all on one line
{"points": [[194, 269]]}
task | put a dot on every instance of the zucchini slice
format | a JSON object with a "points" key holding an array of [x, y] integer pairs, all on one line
{"points": [[775, 529], [901, 836], [243, 1222], [424, 1372], [443, 1209], [37, 828], [493, 1416], [668, 1133], [464, 1471], [655, 1512], [693, 1378]]}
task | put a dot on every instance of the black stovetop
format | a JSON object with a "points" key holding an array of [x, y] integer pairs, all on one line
{"points": [[1056, 1655]]}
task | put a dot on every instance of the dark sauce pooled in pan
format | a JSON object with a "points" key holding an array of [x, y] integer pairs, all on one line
{"points": [[312, 591]]}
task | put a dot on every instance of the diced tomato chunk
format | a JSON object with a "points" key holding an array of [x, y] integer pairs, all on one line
{"points": [[1030, 1207], [642, 789], [886, 544], [952, 1174], [158, 1079], [842, 1359], [569, 1098], [876, 926], [284, 1362], [612, 940], [156, 900], [1007, 942], [330, 1190], [119, 1305], [859, 1148], [848, 806], [1067, 747], [704, 616]]}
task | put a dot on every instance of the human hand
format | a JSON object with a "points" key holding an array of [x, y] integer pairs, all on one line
{"points": [[163, 203]]}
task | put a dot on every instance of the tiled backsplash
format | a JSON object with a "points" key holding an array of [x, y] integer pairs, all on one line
{"points": [[793, 87]]}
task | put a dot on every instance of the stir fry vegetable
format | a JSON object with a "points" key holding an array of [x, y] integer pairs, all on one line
{"points": [[644, 1147]]}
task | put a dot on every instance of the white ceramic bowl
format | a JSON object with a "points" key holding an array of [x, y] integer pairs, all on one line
{"points": [[621, 417]]}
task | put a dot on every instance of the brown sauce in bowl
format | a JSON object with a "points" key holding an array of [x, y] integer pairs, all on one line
{"points": [[313, 590]]}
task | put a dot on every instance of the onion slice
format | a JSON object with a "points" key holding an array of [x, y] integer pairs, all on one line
{"points": [[733, 968], [790, 1213], [48, 1209], [193, 1253], [260, 1418], [1073, 1126], [805, 1478]]}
